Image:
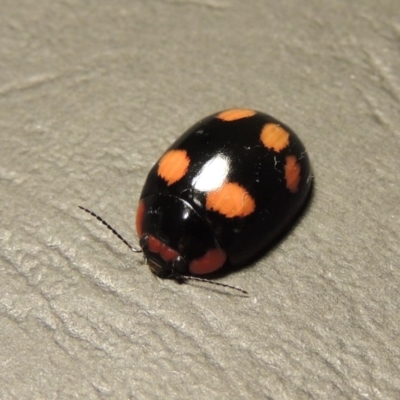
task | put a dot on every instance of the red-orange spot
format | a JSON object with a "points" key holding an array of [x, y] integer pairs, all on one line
{"points": [[159, 247], [292, 173], [235, 114], [168, 254], [274, 137], [139, 218], [154, 244], [231, 200], [173, 166], [211, 261]]}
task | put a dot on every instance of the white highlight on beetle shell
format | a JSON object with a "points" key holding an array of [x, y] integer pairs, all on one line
{"points": [[212, 175]]}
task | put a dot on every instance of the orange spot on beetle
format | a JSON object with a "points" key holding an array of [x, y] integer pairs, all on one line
{"points": [[154, 245], [292, 173], [231, 200], [173, 166], [235, 114], [157, 246], [139, 218], [274, 137], [211, 261]]}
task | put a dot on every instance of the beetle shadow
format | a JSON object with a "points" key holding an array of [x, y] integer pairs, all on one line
{"points": [[229, 268]]}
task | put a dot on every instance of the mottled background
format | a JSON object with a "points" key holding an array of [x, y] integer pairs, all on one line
{"points": [[90, 94]]}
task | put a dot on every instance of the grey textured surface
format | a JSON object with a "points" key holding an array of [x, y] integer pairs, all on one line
{"points": [[90, 94]]}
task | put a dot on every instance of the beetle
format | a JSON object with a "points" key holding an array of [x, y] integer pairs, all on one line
{"points": [[221, 194]]}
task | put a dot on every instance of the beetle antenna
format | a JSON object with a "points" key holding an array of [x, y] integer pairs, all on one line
{"points": [[195, 278], [111, 229]]}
